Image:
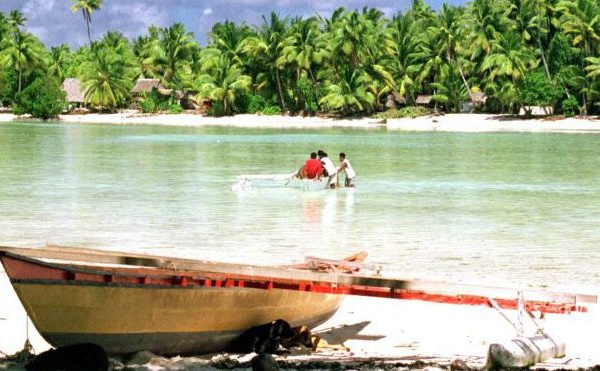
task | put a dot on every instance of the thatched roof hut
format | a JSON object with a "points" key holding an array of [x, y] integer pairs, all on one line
{"points": [[74, 90], [394, 99], [146, 86], [478, 97], [423, 99]]}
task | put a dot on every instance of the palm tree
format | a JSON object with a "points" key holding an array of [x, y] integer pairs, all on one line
{"points": [[404, 34], [107, 75], [351, 94], [352, 38], [147, 51], [532, 22], [580, 20], [434, 67], [448, 36], [227, 37], [21, 51], [105, 87], [300, 48], [87, 8], [222, 81], [380, 53], [267, 47], [16, 20], [508, 62], [329, 24], [486, 20], [177, 46], [509, 58], [4, 25], [61, 58]]}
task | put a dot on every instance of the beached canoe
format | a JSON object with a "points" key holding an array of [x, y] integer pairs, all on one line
{"points": [[128, 303], [132, 302]]}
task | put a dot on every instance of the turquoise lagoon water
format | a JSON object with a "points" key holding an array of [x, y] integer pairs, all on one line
{"points": [[508, 209]]}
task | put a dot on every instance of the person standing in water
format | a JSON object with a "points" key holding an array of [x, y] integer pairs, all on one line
{"points": [[329, 168], [347, 168]]}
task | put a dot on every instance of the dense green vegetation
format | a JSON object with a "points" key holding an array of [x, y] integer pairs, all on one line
{"points": [[43, 98], [518, 52]]}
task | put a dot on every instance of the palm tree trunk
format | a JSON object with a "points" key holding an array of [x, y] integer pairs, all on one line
{"points": [[462, 75], [543, 57], [86, 16], [88, 32], [280, 90], [354, 59], [20, 79]]}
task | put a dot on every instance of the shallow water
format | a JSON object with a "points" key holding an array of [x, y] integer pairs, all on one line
{"points": [[510, 209]]}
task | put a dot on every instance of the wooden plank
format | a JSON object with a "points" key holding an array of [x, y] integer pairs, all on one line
{"points": [[294, 273], [76, 254], [314, 261]]}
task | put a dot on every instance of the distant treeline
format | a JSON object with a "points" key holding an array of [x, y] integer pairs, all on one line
{"points": [[355, 62]]}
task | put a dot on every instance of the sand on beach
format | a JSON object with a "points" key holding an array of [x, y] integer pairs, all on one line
{"points": [[15, 327], [441, 123]]}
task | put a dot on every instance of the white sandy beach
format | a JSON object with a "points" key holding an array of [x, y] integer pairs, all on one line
{"points": [[441, 123]]}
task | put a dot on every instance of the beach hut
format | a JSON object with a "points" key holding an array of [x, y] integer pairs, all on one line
{"points": [[145, 86], [75, 92], [394, 99], [423, 100], [476, 100]]}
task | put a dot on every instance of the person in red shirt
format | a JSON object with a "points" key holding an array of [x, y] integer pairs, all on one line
{"points": [[312, 168]]}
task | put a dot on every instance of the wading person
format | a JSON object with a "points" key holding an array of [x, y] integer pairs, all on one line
{"points": [[346, 168], [329, 168]]}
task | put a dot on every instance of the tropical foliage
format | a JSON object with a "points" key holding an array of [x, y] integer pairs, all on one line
{"points": [[518, 52], [42, 99]]}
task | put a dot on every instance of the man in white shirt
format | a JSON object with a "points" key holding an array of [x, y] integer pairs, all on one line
{"points": [[329, 167], [347, 168]]}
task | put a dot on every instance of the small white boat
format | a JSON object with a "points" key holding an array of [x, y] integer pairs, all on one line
{"points": [[281, 180]]}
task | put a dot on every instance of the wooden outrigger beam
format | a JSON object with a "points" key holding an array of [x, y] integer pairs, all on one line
{"points": [[302, 278]]}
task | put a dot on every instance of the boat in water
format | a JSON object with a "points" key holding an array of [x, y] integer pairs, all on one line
{"points": [[281, 181], [129, 302]]}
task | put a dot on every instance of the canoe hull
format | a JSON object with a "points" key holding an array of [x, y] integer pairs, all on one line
{"points": [[126, 315], [310, 184], [281, 181]]}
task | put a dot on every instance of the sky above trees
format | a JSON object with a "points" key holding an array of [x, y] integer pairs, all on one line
{"points": [[54, 23]]}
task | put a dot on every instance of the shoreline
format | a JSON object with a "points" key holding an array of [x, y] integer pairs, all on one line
{"points": [[456, 122]]}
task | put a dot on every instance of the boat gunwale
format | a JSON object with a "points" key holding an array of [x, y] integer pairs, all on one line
{"points": [[334, 282], [174, 278]]}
